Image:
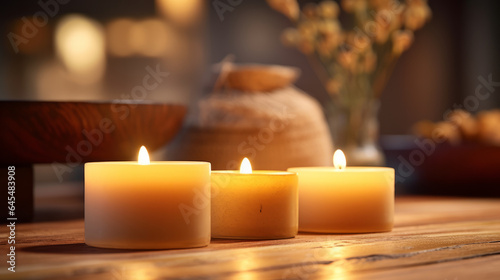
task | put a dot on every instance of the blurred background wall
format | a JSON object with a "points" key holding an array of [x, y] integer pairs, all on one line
{"points": [[100, 50]]}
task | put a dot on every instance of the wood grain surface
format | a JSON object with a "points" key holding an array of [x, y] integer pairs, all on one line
{"points": [[77, 132], [433, 238]]}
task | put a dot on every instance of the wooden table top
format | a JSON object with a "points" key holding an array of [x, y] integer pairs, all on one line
{"points": [[433, 238]]}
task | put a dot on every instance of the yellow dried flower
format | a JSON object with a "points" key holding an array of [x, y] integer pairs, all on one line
{"points": [[333, 86], [351, 6], [401, 41], [385, 23], [290, 37], [416, 15], [380, 4], [347, 59], [331, 35], [328, 9], [324, 48], [308, 29], [289, 8], [389, 19], [381, 34], [358, 41], [332, 41], [326, 27], [310, 11]]}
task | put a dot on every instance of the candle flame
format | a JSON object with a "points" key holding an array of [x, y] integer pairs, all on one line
{"points": [[339, 160], [143, 156], [246, 167]]}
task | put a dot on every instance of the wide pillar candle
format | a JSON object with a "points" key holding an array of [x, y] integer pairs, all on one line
{"points": [[352, 200], [259, 205], [160, 205]]}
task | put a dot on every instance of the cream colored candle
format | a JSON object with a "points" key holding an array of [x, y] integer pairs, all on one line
{"points": [[254, 204], [157, 205], [345, 199]]}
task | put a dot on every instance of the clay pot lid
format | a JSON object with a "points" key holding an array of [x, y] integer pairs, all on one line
{"points": [[255, 77]]}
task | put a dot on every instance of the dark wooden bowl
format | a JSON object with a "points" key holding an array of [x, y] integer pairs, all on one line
{"points": [[77, 132]]}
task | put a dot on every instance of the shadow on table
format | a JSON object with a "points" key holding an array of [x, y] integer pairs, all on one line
{"points": [[75, 248], [84, 249]]}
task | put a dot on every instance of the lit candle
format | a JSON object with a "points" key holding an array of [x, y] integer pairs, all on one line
{"points": [[344, 199], [250, 204], [147, 205]]}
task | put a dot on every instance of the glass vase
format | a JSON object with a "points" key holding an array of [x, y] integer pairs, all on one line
{"points": [[355, 130]]}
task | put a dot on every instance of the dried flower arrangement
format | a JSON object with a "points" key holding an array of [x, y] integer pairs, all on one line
{"points": [[381, 30], [461, 127], [353, 59]]}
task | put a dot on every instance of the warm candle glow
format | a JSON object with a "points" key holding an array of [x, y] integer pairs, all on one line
{"points": [[143, 156], [246, 167], [80, 44], [339, 160], [184, 12]]}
